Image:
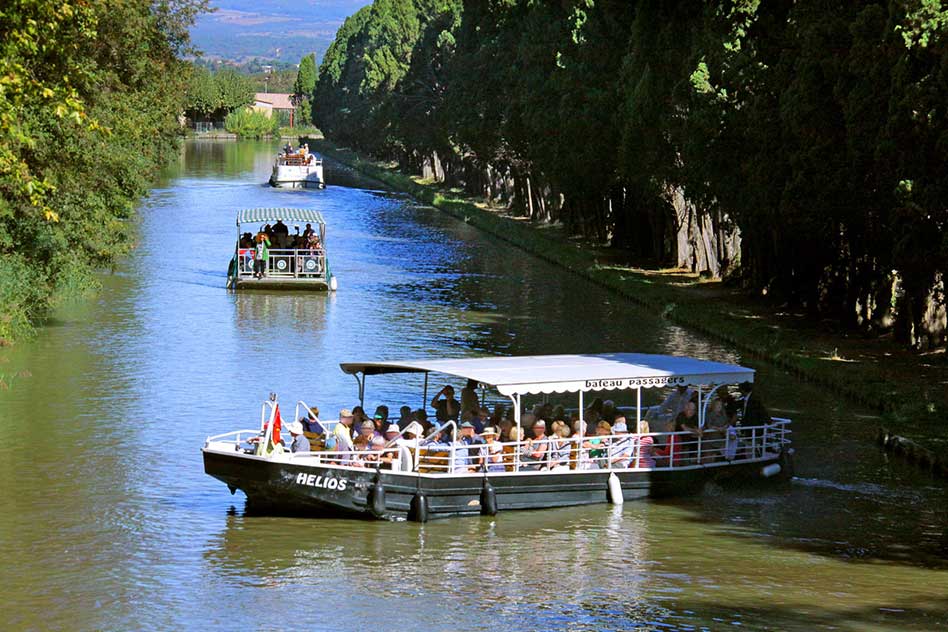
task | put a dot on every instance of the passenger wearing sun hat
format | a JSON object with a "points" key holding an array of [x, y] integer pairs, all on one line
{"points": [[493, 451], [391, 432], [620, 449], [300, 442]]}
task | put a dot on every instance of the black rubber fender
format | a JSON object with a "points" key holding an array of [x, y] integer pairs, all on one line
{"points": [[488, 499], [376, 499], [418, 508]]}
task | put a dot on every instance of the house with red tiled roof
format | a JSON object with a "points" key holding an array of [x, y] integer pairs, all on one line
{"points": [[279, 103]]}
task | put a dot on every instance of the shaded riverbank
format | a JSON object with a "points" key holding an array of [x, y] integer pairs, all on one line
{"points": [[911, 390]]}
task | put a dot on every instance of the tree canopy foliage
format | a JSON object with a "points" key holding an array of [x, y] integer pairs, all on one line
{"points": [[214, 94], [90, 93], [815, 130]]}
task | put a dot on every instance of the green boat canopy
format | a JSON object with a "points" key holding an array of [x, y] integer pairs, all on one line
{"points": [[264, 215]]}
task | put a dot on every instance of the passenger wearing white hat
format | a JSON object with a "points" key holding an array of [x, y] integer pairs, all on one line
{"points": [[391, 432], [300, 442], [620, 449], [411, 434], [493, 451]]}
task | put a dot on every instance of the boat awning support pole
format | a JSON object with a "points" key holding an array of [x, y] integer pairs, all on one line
{"points": [[424, 397], [582, 432], [638, 409], [361, 383], [519, 435]]}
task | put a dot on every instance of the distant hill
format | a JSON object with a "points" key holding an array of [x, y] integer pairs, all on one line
{"points": [[280, 30]]}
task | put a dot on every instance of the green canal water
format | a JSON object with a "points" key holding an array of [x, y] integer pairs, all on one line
{"points": [[107, 520]]}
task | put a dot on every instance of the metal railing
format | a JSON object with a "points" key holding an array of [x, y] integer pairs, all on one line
{"points": [[666, 451], [286, 263]]}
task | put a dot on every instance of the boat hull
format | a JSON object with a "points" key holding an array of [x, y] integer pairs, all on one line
{"points": [[322, 284], [275, 486]]}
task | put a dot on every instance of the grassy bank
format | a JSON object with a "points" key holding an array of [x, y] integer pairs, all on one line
{"points": [[907, 389]]}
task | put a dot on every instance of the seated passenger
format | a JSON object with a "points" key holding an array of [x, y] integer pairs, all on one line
{"points": [[367, 430], [609, 411], [411, 435], [300, 443], [512, 450], [621, 447], [559, 413], [373, 455], [436, 438], [503, 427], [482, 419], [404, 417], [472, 417], [360, 444], [560, 446], [493, 453], [598, 445], [472, 453], [391, 433], [381, 412], [379, 420], [312, 428], [646, 444], [674, 403], [308, 231], [420, 417], [681, 447], [497, 416], [534, 455], [359, 417]]}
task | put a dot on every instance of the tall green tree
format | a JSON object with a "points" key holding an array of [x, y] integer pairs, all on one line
{"points": [[304, 86]]}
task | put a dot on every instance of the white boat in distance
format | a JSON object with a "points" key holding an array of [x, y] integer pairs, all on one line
{"points": [[298, 170], [417, 479]]}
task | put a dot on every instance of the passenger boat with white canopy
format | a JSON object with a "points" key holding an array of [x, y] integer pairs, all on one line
{"points": [[293, 260], [421, 478]]}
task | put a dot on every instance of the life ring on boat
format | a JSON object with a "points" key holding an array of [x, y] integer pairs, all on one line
{"points": [[312, 265], [281, 265]]}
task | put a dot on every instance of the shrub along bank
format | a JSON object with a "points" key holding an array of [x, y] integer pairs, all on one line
{"points": [[913, 415]]}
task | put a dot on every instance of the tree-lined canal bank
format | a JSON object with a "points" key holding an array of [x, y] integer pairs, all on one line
{"points": [[125, 530], [910, 390]]}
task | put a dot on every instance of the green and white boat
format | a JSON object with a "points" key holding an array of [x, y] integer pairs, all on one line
{"points": [[295, 261]]}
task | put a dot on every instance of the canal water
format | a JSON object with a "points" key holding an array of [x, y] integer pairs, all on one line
{"points": [[107, 520]]}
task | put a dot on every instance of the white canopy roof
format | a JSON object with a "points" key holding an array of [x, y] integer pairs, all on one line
{"points": [[569, 373]]}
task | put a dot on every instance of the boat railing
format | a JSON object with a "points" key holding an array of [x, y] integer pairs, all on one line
{"points": [[668, 451], [236, 437], [298, 160], [286, 263]]}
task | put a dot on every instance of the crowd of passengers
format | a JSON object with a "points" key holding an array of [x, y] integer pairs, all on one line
{"points": [[300, 155], [555, 439], [278, 236]]}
